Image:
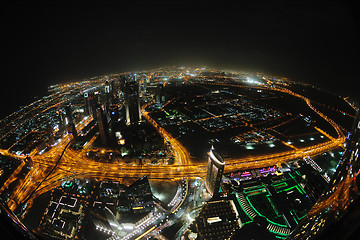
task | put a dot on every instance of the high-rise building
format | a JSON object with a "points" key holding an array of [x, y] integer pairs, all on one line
{"points": [[214, 173], [140, 196], [69, 120], [132, 102], [159, 96], [108, 93], [93, 104], [122, 80], [68, 112], [216, 220], [86, 103], [103, 126], [62, 122], [114, 113], [336, 213]]}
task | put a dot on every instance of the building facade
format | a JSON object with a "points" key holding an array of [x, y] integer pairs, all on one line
{"points": [[214, 172], [132, 102]]}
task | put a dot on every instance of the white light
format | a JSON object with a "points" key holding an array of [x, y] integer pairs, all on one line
{"points": [[212, 156], [249, 147], [190, 219], [213, 220]]}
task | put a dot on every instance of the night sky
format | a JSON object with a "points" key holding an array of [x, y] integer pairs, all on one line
{"points": [[47, 43]]}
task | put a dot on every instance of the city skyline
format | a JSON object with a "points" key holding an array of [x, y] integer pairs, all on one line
{"points": [[248, 152], [180, 120], [311, 41]]}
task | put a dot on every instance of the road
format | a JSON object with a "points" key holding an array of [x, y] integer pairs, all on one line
{"points": [[75, 164]]}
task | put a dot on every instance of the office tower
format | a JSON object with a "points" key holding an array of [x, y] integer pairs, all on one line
{"points": [[103, 126], [86, 104], [114, 113], [113, 92], [122, 80], [108, 99], [216, 220], [62, 122], [93, 105], [114, 131], [214, 173], [68, 113], [159, 97], [50, 134], [140, 196], [132, 102], [336, 213], [69, 120]]}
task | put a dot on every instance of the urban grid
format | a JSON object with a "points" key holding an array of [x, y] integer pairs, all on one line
{"points": [[180, 153]]}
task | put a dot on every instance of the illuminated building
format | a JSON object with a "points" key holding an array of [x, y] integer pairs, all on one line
{"points": [[69, 121], [336, 213], [140, 196], [132, 102], [62, 123], [159, 97], [114, 113], [86, 104], [216, 110], [215, 169], [103, 126], [217, 220], [93, 104], [109, 93]]}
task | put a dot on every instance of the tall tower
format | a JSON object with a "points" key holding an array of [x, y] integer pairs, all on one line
{"points": [[132, 102], [108, 94], [62, 122], [214, 173], [159, 96], [103, 126], [336, 213], [69, 119], [86, 104]]}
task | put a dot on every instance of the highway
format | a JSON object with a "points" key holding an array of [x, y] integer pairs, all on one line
{"points": [[75, 164]]}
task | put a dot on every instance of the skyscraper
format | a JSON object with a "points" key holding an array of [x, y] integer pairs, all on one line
{"points": [[336, 213], [93, 104], [160, 97], [114, 113], [86, 103], [132, 102], [103, 126], [214, 173], [69, 119], [108, 94], [62, 122]]}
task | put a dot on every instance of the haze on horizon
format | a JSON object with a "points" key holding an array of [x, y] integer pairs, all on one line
{"points": [[307, 41]]}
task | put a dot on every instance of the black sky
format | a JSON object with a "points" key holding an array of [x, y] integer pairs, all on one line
{"points": [[45, 43]]}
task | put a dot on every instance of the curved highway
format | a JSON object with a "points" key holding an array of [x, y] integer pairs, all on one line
{"points": [[74, 163]]}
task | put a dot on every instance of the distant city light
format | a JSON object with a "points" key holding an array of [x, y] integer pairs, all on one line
{"points": [[127, 151]]}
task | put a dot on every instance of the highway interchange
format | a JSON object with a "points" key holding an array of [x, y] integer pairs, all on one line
{"points": [[61, 162]]}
